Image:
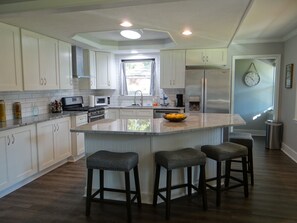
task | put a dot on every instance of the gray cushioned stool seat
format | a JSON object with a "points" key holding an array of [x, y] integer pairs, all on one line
{"points": [[224, 151], [112, 160], [180, 158]]}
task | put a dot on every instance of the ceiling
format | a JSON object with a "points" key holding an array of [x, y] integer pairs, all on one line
{"points": [[95, 24]]}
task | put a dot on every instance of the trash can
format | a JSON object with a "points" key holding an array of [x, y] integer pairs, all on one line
{"points": [[274, 134]]}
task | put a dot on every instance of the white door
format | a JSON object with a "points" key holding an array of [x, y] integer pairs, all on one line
{"points": [[3, 160], [62, 139], [65, 65]]}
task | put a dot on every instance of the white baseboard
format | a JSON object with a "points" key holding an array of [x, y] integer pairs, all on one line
{"points": [[289, 152], [252, 131]]}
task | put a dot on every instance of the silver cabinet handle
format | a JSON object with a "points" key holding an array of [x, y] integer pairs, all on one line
{"points": [[13, 139], [45, 81], [55, 128], [8, 138], [41, 81], [58, 127]]}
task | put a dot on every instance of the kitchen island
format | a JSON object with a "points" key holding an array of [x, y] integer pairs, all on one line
{"points": [[147, 136]]}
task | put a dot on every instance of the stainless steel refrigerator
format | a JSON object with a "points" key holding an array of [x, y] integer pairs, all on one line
{"points": [[207, 90]]}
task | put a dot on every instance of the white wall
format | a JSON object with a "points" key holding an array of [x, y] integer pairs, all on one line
{"points": [[288, 100], [252, 103]]}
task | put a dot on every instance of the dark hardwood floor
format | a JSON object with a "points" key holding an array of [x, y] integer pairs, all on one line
{"points": [[57, 197]]}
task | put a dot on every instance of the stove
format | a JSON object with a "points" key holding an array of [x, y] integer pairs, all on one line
{"points": [[75, 103]]}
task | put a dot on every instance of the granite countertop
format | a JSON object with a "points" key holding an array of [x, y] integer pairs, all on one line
{"points": [[160, 126], [143, 107], [14, 123]]}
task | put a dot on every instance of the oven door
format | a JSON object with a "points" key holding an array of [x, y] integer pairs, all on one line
{"points": [[95, 117]]}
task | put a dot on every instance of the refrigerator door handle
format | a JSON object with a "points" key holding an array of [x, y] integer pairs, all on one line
{"points": [[205, 96], [202, 95]]}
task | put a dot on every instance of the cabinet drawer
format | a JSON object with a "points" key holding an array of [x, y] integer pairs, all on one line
{"points": [[81, 119]]}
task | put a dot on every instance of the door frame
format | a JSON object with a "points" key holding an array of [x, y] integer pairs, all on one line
{"points": [[277, 58]]}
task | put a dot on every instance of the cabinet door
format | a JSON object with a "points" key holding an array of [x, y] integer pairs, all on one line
{"points": [[62, 139], [166, 69], [102, 70], [195, 57], [22, 153], [144, 113], [127, 113], [180, 69], [3, 160], [10, 63], [48, 54], [65, 65], [112, 114], [216, 57], [45, 145], [30, 55]]}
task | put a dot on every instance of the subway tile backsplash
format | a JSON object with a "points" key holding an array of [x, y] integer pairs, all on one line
{"points": [[41, 99]]}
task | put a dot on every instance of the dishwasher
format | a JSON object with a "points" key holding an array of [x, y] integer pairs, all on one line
{"points": [[159, 112]]}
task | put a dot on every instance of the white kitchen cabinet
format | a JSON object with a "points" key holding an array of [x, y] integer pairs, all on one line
{"points": [[10, 63], [40, 61], [136, 113], [105, 71], [172, 69], [89, 71], [210, 57], [112, 113], [53, 142], [65, 65], [78, 138], [18, 155]]}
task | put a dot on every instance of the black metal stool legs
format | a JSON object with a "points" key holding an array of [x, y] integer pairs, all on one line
{"points": [[156, 186], [168, 193], [245, 177], [137, 185], [202, 186], [218, 186], [128, 196], [89, 191]]}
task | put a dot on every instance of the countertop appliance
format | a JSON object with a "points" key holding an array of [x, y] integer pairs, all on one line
{"points": [[179, 100], [101, 100], [75, 103], [207, 90]]}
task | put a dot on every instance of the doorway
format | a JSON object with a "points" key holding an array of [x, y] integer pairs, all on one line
{"points": [[255, 96]]}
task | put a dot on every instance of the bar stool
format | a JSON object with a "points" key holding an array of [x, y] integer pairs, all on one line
{"points": [[226, 152], [182, 158], [247, 140], [105, 160]]}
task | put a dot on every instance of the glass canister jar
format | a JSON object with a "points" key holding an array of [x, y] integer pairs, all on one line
{"points": [[2, 111], [17, 110]]}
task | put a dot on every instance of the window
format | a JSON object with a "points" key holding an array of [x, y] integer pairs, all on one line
{"points": [[138, 75]]}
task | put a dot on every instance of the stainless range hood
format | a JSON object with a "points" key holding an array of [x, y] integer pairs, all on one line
{"points": [[78, 63]]}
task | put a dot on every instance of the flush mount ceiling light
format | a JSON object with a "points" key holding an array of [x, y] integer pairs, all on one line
{"points": [[130, 34], [126, 24], [187, 32]]}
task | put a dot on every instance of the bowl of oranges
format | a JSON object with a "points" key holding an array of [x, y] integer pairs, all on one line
{"points": [[175, 117]]}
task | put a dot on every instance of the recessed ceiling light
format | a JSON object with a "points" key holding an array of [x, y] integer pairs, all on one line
{"points": [[126, 24], [130, 34], [134, 51], [187, 32]]}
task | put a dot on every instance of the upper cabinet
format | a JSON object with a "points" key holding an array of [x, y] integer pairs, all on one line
{"points": [[206, 57], [65, 65], [10, 63], [40, 61], [105, 71], [172, 69]]}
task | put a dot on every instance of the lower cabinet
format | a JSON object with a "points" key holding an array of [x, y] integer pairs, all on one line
{"points": [[136, 113], [53, 142], [18, 155]]}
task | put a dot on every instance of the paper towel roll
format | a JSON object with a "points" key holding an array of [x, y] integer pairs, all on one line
{"points": [[91, 100]]}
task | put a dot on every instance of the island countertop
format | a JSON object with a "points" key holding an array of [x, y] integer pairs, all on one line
{"points": [[160, 126]]}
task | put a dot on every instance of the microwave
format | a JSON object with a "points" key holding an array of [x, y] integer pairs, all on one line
{"points": [[101, 100]]}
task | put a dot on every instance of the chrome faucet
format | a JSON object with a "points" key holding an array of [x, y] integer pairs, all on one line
{"points": [[141, 97]]}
